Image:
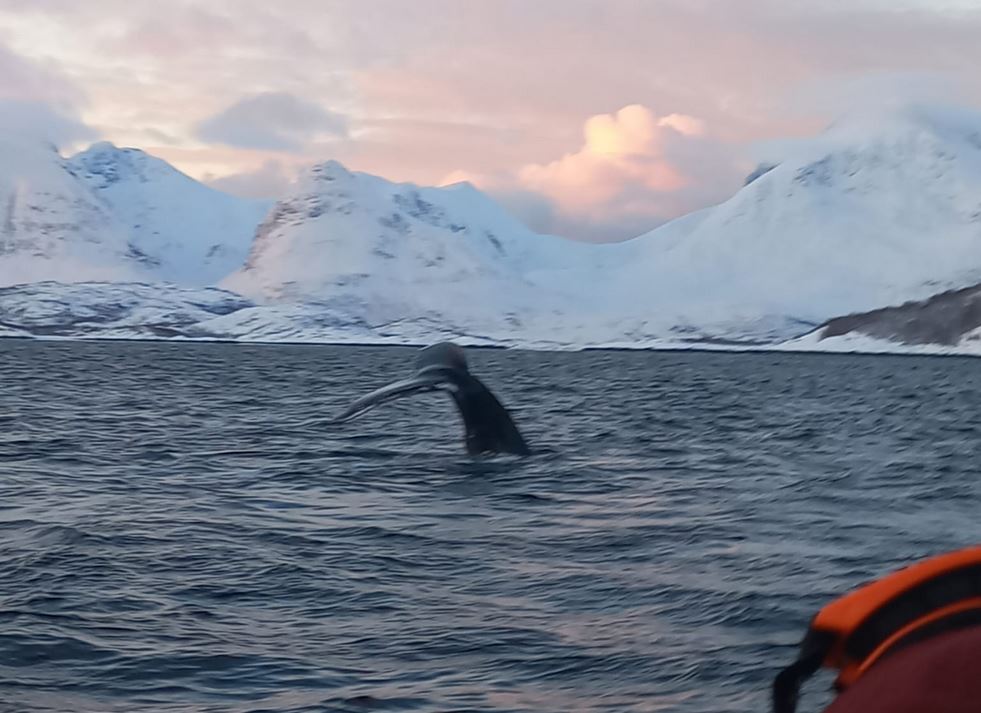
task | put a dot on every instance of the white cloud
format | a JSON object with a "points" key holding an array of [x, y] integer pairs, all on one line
{"points": [[41, 121], [272, 120], [26, 80], [38, 101], [270, 181]]}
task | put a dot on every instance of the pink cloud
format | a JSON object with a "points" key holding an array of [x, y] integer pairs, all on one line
{"points": [[622, 149], [495, 89], [633, 170]]}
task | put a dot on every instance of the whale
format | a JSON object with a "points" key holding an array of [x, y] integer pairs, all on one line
{"points": [[488, 427]]}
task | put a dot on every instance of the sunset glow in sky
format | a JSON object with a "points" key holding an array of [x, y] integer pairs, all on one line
{"points": [[591, 118]]}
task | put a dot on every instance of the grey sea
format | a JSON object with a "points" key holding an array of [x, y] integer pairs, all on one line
{"points": [[182, 530]]}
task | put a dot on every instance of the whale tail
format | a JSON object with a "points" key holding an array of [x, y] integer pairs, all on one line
{"points": [[443, 367]]}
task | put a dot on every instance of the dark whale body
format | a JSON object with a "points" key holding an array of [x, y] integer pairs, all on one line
{"points": [[443, 367]]}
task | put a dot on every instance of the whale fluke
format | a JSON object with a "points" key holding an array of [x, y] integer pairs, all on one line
{"points": [[443, 367]]}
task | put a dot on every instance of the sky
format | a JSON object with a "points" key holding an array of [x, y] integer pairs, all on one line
{"points": [[594, 119]]}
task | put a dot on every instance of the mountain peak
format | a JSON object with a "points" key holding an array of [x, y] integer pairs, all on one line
{"points": [[880, 208], [893, 135], [911, 125], [330, 170], [107, 164], [186, 231], [920, 149], [462, 187], [105, 147], [400, 242], [107, 150]]}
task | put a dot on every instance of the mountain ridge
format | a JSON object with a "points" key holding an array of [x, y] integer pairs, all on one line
{"points": [[51, 225], [871, 214], [190, 233]]}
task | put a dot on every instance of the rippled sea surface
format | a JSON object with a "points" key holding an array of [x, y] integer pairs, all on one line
{"points": [[181, 531]]}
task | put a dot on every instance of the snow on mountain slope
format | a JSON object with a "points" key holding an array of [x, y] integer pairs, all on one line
{"points": [[190, 234], [949, 322], [378, 251], [857, 343], [51, 226], [876, 211], [120, 310]]}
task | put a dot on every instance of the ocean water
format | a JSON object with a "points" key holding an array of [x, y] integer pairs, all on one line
{"points": [[181, 530]]}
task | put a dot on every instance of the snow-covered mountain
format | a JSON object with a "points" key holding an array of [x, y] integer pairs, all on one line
{"points": [[186, 232], [369, 249], [111, 309], [946, 323], [878, 210], [114, 214], [52, 227]]}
